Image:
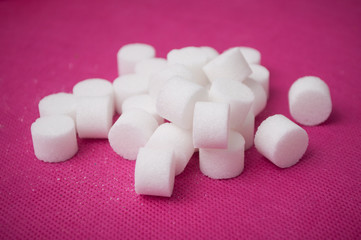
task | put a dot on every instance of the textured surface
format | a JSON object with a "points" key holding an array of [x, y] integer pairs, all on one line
{"points": [[48, 46]]}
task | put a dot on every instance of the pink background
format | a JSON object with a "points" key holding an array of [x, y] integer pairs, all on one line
{"points": [[48, 46]]}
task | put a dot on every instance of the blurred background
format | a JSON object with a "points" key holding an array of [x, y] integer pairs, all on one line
{"points": [[48, 46]]}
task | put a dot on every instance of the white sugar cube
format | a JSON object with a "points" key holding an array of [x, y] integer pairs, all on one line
{"points": [[194, 59], [210, 52], [170, 137], [310, 101], [95, 87], [247, 130], [235, 93], [94, 117], [176, 100], [130, 132], [230, 65], [252, 55], [128, 85], [58, 104], [154, 172], [54, 138], [260, 96], [143, 102], [223, 163], [150, 66], [158, 80], [129, 55], [260, 74], [281, 141], [211, 125]]}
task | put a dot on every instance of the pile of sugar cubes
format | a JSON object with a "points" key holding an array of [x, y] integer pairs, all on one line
{"points": [[196, 100]]}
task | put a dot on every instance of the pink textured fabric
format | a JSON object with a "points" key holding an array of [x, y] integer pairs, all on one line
{"points": [[48, 46]]}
